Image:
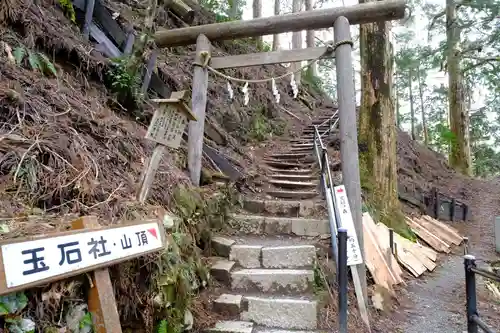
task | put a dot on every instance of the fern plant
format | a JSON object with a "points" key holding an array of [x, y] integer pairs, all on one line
{"points": [[162, 327], [37, 60]]}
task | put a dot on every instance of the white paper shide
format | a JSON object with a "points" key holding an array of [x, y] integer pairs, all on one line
{"points": [[36, 260], [354, 256]]}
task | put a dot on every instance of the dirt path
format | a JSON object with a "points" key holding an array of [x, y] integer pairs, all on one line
{"points": [[439, 298]]}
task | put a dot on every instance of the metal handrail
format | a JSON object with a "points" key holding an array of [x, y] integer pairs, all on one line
{"points": [[326, 181], [332, 123]]}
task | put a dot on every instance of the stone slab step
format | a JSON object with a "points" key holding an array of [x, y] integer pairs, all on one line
{"points": [[293, 171], [295, 195], [281, 313], [289, 177], [252, 224], [288, 156], [232, 327], [290, 184], [295, 208], [262, 255], [285, 165], [276, 312], [283, 281]]}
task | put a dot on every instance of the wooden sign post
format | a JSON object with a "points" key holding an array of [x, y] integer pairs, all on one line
{"points": [[166, 128], [37, 260]]}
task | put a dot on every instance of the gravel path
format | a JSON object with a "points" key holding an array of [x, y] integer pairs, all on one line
{"points": [[439, 298]]}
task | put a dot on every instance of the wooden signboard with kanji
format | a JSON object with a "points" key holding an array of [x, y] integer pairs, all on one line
{"points": [[170, 120], [166, 128], [33, 261]]}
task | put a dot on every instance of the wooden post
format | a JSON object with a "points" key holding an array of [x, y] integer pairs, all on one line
{"points": [[149, 71], [437, 203], [101, 301], [349, 147], [129, 44], [89, 13], [497, 234], [308, 20], [452, 210], [199, 105], [166, 129]]}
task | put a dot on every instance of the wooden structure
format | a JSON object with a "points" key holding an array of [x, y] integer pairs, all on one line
{"points": [[113, 41], [87, 248], [435, 204], [340, 18], [387, 252], [166, 129]]}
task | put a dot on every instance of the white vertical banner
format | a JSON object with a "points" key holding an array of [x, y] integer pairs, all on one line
{"points": [[354, 256]]}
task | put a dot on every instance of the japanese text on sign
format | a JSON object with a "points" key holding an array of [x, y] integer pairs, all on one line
{"points": [[167, 126], [354, 256], [31, 261]]}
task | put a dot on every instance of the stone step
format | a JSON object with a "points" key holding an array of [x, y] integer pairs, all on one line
{"points": [[232, 327], [282, 281], [288, 156], [258, 254], [276, 312], [296, 208], [288, 184], [253, 224], [295, 195], [280, 176], [285, 165], [298, 171]]}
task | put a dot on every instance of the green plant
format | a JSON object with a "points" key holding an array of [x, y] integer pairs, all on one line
{"points": [[12, 303], [68, 10], [37, 60], [162, 327], [181, 271], [86, 321], [125, 77]]}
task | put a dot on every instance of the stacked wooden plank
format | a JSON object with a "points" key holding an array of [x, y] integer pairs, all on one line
{"points": [[384, 266]]}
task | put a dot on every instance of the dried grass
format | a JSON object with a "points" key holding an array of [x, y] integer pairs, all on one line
{"points": [[63, 150]]}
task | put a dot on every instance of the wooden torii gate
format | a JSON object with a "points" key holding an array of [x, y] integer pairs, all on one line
{"points": [[340, 18]]}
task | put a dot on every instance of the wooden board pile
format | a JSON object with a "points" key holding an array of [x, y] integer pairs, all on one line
{"points": [[384, 266]]}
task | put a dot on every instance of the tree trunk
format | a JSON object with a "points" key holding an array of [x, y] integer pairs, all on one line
{"points": [[297, 41], [377, 134], [421, 93], [257, 12], [396, 97], [312, 71], [412, 106], [460, 148], [276, 37]]}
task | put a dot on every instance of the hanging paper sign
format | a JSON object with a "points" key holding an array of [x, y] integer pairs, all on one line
{"points": [[59, 256], [354, 256]]}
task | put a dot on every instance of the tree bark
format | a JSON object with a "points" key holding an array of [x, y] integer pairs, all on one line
{"points": [[422, 108], [412, 106], [276, 37], [459, 118], [297, 41], [257, 13], [396, 97], [312, 71], [377, 132]]}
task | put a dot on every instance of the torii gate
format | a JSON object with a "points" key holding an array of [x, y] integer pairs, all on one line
{"points": [[341, 18]]}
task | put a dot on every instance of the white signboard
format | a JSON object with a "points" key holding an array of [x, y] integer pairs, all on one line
{"points": [[167, 126], [31, 261], [354, 256]]}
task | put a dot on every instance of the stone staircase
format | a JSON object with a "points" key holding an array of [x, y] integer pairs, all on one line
{"points": [[267, 257]]}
